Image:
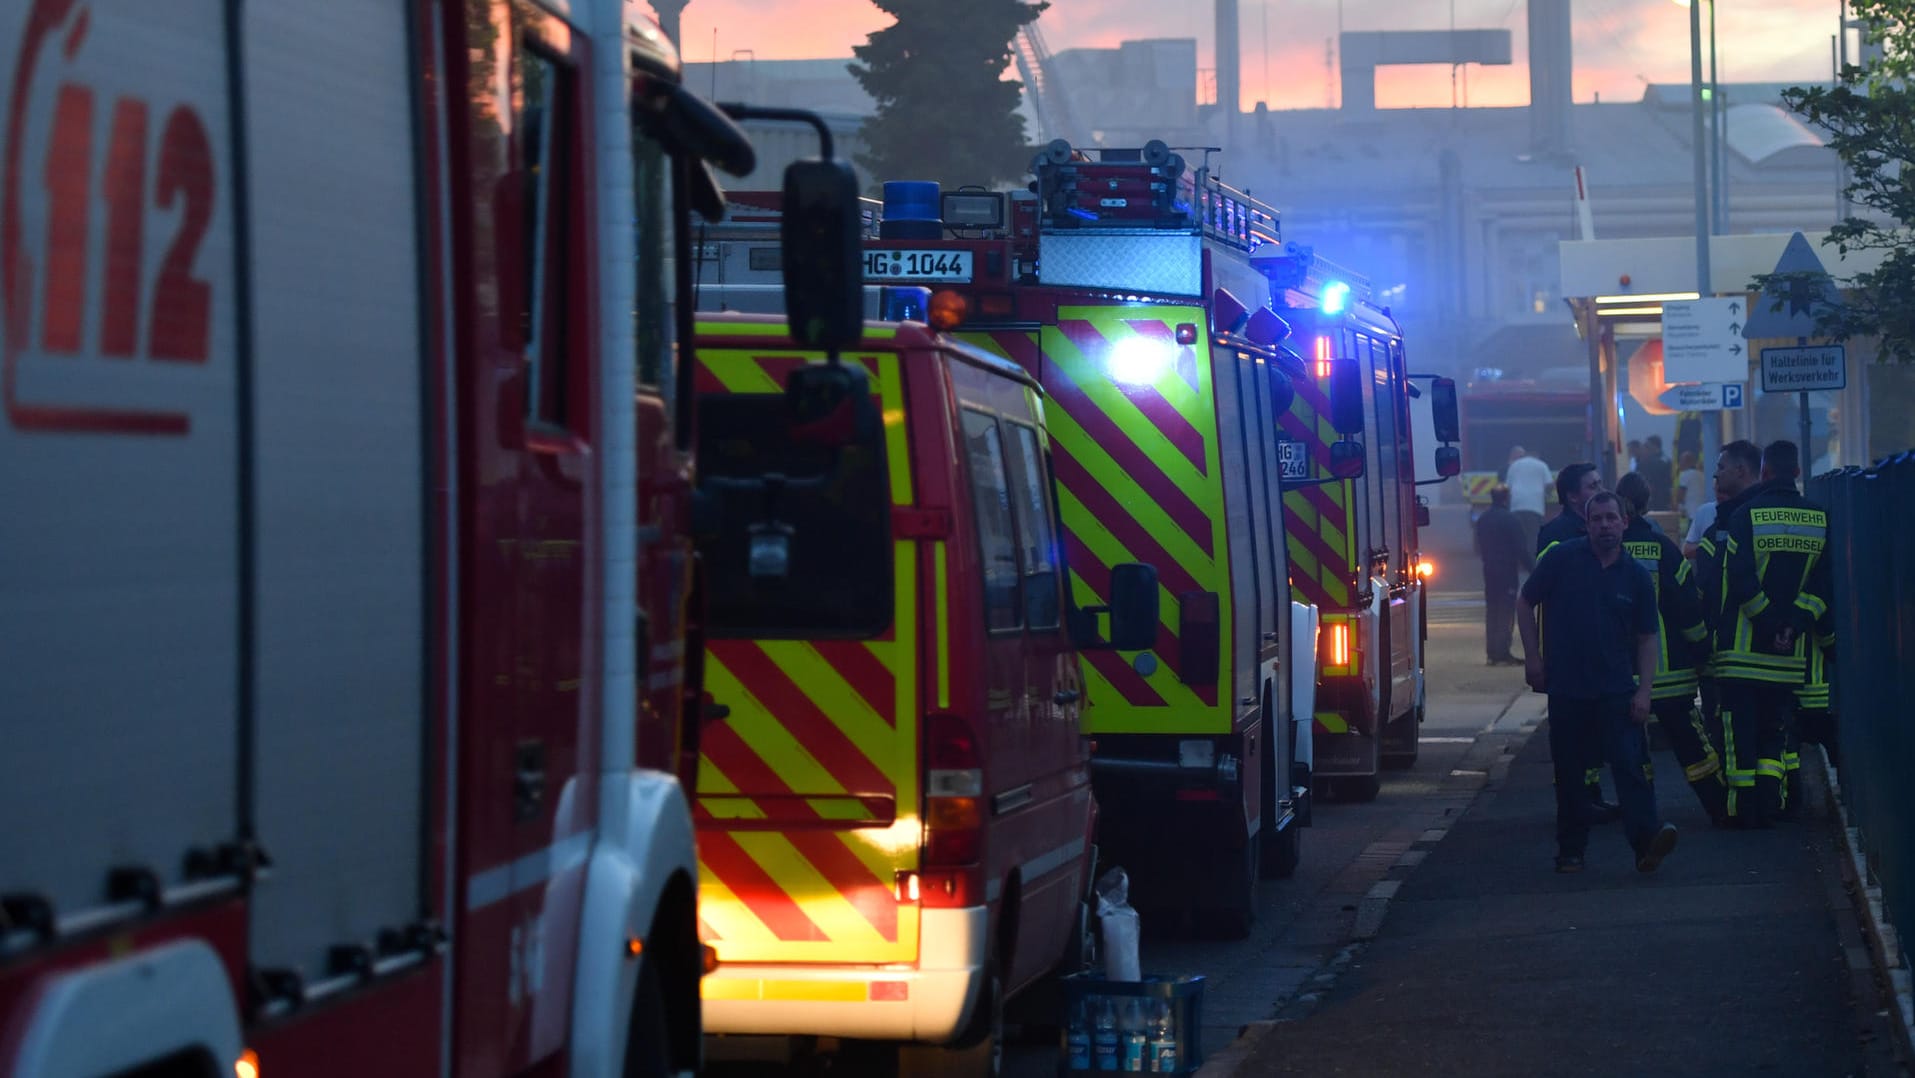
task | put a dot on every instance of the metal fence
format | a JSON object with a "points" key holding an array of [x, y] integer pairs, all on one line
{"points": [[1872, 683]]}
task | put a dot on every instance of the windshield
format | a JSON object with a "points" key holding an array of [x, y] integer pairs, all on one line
{"points": [[834, 577]]}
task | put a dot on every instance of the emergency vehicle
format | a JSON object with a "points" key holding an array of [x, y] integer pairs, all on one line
{"points": [[1351, 513], [1123, 286], [894, 810], [317, 608]]}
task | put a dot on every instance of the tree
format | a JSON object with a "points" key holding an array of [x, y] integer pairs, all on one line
{"points": [[945, 110], [1870, 116]]}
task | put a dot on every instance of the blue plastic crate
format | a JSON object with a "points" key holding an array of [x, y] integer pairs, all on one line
{"points": [[1180, 999]]}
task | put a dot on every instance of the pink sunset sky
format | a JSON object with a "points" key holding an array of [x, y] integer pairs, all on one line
{"points": [[1619, 44]]}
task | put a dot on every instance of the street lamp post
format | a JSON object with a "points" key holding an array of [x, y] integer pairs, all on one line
{"points": [[1701, 153]]}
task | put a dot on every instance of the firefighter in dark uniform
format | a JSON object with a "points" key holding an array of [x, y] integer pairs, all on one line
{"points": [[1679, 606], [1574, 486], [1775, 606], [1738, 468]]}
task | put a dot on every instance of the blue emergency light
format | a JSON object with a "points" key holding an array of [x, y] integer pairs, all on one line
{"points": [[1336, 297], [904, 303]]}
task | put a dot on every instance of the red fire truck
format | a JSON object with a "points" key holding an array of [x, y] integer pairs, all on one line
{"points": [[322, 621], [1124, 287], [1351, 514]]}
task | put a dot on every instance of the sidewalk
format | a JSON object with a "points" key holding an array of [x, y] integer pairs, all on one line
{"points": [[1741, 954]]}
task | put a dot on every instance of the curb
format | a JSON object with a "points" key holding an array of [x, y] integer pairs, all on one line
{"points": [[1884, 942], [1373, 906]]}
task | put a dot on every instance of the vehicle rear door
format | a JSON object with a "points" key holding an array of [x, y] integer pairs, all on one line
{"points": [[808, 787]]}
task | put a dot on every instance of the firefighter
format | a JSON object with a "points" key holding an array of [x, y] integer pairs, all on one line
{"points": [[1738, 467], [1679, 607], [1775, 587], [1575, 484]]}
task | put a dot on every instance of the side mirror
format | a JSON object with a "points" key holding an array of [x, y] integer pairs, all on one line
{"points": [[1346, 459], [1133, 612], [1282, 392], [1449, 461], [1133, 607], [1346, 396], [1422, 513], [829, 404], [1443, 416], [823, 255]]}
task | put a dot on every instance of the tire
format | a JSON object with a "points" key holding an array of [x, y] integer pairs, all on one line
{"points": [[1281, 858], [1362, 789], [978, 1052], [1239, 883], [648, 1040]]}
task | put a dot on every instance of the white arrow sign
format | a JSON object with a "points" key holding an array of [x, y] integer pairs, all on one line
{"points": [[1708, 397], [1702, 341]]}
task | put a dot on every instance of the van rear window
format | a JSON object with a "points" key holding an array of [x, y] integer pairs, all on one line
{"points": [[834, 518]]}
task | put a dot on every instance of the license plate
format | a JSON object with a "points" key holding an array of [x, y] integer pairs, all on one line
{"points": [[917, 265], [1293, 460]]}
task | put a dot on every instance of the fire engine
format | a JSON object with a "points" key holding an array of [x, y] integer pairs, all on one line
{"points": [[1351, 513], [1123, 284], [894, 809], [323, 475]]}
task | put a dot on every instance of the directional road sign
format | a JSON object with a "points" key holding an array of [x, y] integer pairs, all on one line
{"points": [[1707, 397], [1702, 341], [1788, 307], [1804, 370]]}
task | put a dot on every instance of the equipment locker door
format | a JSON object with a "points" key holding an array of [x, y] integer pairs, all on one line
{"points": [[526, 773]]}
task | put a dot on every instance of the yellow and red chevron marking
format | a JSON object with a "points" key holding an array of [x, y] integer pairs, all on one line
{"points": [[1136, 464], [808, 790], [1477, 485], [1316, 520]]}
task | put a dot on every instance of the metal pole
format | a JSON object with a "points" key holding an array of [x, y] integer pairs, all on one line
{"points": [[1808, 455], [1701, 152], [1719, 204]]}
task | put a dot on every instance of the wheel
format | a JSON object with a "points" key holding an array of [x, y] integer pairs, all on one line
{"points": [[1281, 857], [1360, 789], [648, 1042], [978, 1052], [1238, 884]]}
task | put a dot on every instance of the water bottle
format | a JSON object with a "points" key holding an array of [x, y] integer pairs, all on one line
{"points": [[1077, 1037], [1135, 1040], [1163, 1039], [1103, 1042]]}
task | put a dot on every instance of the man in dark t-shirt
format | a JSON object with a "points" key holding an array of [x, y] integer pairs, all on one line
{"points": [[1599, 672]]}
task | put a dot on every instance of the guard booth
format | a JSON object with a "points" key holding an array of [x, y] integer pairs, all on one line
{"points": [[1617, 292]]}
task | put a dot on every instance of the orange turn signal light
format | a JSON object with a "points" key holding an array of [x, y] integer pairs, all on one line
{"points": [[1425, 568], [948, 310]]}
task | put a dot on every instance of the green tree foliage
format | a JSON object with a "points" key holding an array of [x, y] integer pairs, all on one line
{"points": [[945, 110], [1869, 115]]}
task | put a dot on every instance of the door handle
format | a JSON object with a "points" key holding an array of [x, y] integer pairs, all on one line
{"points": [[1067, 696], [528, 779]]}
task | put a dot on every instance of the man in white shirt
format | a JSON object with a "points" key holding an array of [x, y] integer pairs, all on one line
{"points": [[1529, 480], [1699, 525]]}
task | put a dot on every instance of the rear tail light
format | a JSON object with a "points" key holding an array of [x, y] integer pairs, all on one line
{"points": [[953, 813], [1340, 659]]}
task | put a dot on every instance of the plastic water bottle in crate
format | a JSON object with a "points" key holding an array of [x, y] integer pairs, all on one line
{"points": [[1152, 1026]]}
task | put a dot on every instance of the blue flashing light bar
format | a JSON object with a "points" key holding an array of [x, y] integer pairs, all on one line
{"points": [[1336, 297]]}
